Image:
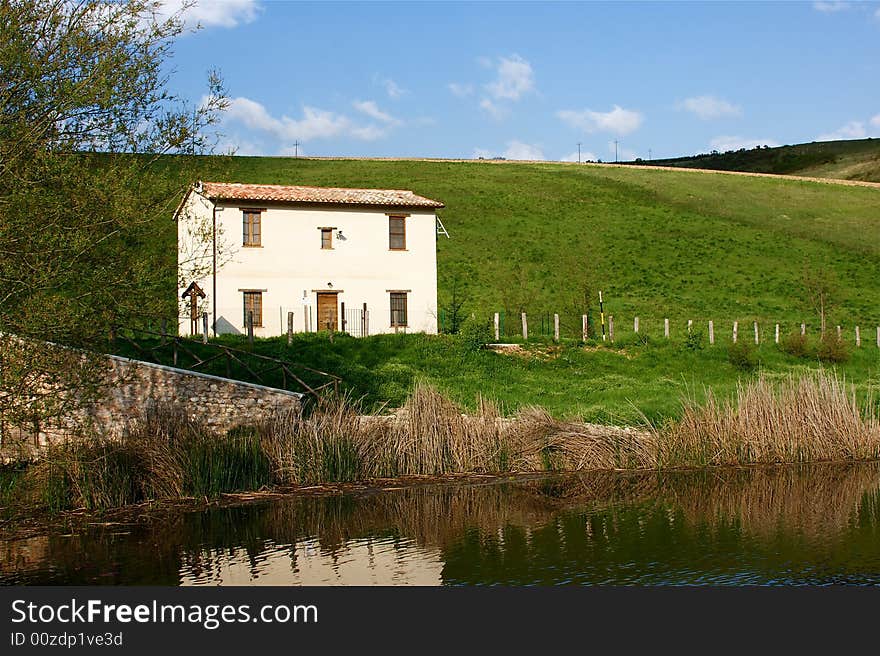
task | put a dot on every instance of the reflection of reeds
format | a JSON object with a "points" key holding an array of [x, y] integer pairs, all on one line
{"points": [[810, 419]]}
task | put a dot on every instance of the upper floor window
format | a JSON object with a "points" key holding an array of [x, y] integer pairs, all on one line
{"points": [[397, 233], [326, 238], [251, 228]]}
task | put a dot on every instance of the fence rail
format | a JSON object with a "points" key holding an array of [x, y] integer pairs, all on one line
{"points": [[226, 361]]}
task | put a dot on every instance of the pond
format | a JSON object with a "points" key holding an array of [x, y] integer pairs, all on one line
{"points": [[767, 526]]}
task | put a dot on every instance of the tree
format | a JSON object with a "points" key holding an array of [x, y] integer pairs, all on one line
{"points": [[820, 288], [85, 116]]}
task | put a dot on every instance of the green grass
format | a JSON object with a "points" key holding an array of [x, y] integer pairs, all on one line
{"points": [[658, 243], [598, 384], [856, 159]]}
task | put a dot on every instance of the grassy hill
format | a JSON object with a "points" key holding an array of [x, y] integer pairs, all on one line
{"points": [[857, 159], [658, 243]]}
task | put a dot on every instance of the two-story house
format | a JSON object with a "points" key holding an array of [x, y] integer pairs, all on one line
{"points": [[307, 259]]}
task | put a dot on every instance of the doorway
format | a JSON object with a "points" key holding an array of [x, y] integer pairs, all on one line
{"points": [[328, 312]]}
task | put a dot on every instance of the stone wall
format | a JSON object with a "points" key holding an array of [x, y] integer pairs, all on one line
{"points": [[134, 385]]}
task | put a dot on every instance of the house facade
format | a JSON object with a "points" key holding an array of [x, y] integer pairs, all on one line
{"points": [[305, 259]]}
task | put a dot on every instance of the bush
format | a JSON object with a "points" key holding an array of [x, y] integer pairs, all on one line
{"points": [[832, 349], [694, 341], [795, 345], [742, 355], [475, 334]]}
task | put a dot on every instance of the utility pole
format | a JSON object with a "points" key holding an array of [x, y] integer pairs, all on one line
{"points": [[615, 150], [296, 148], [579, 152], [649, 154]]}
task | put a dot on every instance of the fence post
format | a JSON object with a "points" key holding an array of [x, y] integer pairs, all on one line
{"points": [[364, 324], [777, 333], [756, 333], [343, 323], [289, 328], [250, 327], [497, 328], [839, 332], [878, 336], [525, 327], [858, 338], [636, 325], [735, 330], [611, 327], [204, 327], [690, 324], [711, 332], [555, 327], [666, 328], [585, 327], [803, 329]]}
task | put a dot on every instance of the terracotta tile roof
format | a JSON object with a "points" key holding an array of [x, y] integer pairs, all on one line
{"points": [[328, 195]]}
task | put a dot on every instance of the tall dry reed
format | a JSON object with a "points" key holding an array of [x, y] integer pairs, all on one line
{"points": [[813, 418]]}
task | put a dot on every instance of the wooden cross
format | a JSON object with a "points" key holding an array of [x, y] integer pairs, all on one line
{"points": [[194, 292]]}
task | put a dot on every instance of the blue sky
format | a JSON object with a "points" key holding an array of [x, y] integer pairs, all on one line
{"points": [[531, 80]]}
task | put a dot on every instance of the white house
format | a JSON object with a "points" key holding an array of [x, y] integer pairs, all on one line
{"points": [[311, 258]]}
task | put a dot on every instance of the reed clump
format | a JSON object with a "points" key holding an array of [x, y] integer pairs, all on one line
{"points": [[812, 418]]}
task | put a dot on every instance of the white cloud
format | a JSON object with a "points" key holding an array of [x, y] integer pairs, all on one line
{"points": [[371, 109], [460, 90], [725, 143], [586, 156], [709, 107], [211, 13], [494, 110], [515, 150], [830, 6], [618, 120], [393, 90], [314, 124], [852, 130], [515, 78], [875, 121]]}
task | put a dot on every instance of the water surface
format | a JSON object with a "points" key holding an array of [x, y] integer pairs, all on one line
{"points": [[766, 526]]}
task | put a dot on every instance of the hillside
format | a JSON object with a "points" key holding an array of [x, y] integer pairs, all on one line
{"points": [[857, 159], [658, 243]]}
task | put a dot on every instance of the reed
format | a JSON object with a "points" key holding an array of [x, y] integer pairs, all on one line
{"points": [[813, 418]]}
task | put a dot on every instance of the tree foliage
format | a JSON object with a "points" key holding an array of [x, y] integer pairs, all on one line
{"points": [[85, 114]]}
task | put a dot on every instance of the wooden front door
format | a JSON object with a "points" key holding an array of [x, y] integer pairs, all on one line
{"points": [[328, 313]]}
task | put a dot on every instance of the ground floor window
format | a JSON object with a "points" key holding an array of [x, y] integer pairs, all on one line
{"points": [[253, 303], [398, 309]]}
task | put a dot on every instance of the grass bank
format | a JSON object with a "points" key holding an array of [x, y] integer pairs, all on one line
{"points": [[169, 456]]}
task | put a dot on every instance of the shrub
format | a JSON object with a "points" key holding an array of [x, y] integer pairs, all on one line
{"points": [[795, 345], [742, 355], [832, 349], [694, 341], [475, 334]]}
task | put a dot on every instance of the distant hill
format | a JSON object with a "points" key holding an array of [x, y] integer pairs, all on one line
{"points": [[857, 159]]}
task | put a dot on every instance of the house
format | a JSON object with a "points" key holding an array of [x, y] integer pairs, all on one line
{"points": [[297, 258]]}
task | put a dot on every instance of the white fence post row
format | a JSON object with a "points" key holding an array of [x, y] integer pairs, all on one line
{"points": [[756, 332], [666, 328], [525, 327], [878, 336], [555, 327], [735, 330], [803, 329], [858, 338], [585, 325], [690, 324], [611, 327], [497, 321], [838, 333], [636, 324], [777, 333], [711, 331]]}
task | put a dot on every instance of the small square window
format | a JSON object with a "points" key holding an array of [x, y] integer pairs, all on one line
{"points": [[326, 238]]}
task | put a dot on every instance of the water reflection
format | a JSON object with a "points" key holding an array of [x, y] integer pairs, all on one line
{"points": [[817, 524]]}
